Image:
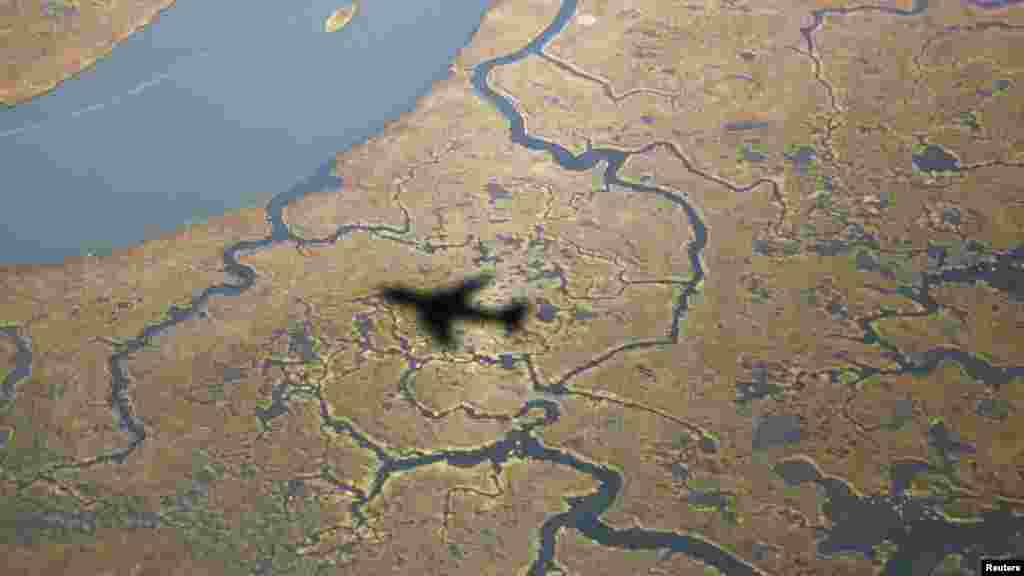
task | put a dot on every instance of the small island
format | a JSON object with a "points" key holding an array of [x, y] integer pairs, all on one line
{"points": [[341, 17]]}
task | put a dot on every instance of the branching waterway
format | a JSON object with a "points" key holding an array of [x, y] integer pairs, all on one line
{"points": [[911, 523]]}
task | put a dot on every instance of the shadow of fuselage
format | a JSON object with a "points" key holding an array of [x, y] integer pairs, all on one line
{"points": [[438, 309]]}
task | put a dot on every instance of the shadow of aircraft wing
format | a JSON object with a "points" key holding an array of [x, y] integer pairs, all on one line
{"points": [[439, 324]]}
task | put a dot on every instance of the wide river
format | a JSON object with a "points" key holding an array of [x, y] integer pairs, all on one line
{"points": [[216, 106]]}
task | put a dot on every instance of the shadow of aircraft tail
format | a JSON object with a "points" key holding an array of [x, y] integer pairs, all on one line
{"points": [[514, 315]]}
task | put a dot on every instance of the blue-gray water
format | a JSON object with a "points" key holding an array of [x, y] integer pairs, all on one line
{"points": [[216, 106]]}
